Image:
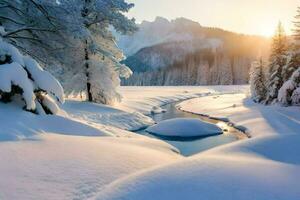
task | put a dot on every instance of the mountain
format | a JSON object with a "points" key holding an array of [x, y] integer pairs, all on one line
{"points": [[182, 52]]}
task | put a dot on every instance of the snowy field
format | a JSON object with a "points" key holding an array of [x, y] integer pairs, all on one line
{"points": [[90, 154]]}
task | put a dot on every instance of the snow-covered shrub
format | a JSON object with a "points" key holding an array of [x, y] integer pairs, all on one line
{"points": [[21, 76], [288, 93]]}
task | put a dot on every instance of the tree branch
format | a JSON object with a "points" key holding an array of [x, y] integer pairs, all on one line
{"points": [[12, 20], [27, 29]]}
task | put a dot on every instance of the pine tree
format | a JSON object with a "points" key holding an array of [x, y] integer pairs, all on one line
{"points": [[257, 81], [294, 58], [296, 29], [97, 69], [278, 60]]}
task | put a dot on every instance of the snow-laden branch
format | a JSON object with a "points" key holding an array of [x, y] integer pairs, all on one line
{"points": [[27, 29]]}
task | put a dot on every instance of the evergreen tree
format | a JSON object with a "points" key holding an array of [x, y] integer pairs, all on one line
{"points": [[278, 60], [296, 29], [294, 58], [96, 70], [257, 81]]}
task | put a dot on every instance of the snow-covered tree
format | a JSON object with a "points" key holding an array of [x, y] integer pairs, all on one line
{"points": [[294, 54], [94, 69], [278, 60], [75, 37], [21, 77], [289, 92], [296, 29], [36, 27], [257, 81]]}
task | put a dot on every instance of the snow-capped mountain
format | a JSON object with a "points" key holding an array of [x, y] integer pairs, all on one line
{"points": [[172, 46], [159, 31]]}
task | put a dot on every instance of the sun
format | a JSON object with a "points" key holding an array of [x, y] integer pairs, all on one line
{"points": [[267, 30]]}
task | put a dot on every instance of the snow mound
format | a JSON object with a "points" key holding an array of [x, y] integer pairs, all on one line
{"points": [[184, 127], [157, 110], [18, 125]]}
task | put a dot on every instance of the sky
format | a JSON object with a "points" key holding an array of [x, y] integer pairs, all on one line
{"points": [[258, 17]]}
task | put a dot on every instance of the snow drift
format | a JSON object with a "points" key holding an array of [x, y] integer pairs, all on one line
{"points": [[184, 127]]}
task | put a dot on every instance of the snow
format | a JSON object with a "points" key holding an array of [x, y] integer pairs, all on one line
{"points": [[2, 31], [288, 94], [43, 79], [283, 93], [68, 167], [52, 106], [162, 30], [143, 99], [14, 74], [25, 73], [8, 49], [17, 125], [211, 178], [184, 127], [157, 110], [296, 96], [266, 166], [55, 157], [85, 155], [106, 115]]}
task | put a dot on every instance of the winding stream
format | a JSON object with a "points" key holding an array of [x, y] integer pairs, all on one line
{"points": [[189, 147]]}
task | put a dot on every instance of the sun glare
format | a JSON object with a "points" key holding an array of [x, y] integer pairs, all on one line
{"points": [[267, 30]]}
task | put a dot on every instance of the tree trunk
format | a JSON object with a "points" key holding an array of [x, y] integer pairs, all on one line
{"points": [[88, 84], [84, 14]]}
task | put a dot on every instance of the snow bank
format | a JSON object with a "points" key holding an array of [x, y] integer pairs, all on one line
{"points": [[69, 167], [143, 99], [239, 109], [184, 127], [19, 125], [210, 178]]}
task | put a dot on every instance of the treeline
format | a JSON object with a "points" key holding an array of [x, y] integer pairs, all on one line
{"points": [[203, 67]]}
